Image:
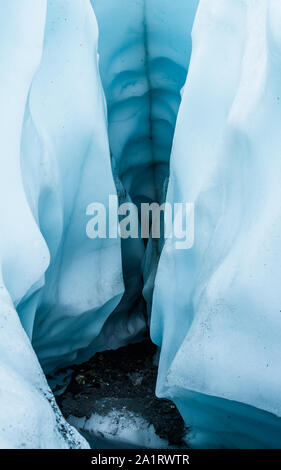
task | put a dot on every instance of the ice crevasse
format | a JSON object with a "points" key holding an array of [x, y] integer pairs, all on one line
{"points": [[54, 162], [68, 118]]}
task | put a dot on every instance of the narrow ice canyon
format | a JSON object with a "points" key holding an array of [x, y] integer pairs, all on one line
{"points": [[150, 101]]}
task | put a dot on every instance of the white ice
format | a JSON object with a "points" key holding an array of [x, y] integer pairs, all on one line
{"points": [[217, 307]]}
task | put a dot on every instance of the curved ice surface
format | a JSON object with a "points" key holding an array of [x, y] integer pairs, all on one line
{"points": [[55, 160], [144, 48], [28, 414], [218, 317]]}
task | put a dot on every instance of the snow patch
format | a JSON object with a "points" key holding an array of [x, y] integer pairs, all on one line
{"points": [[120, 426]]}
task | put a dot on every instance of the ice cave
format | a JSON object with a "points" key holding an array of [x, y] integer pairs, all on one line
{"points": [[152, 101]]}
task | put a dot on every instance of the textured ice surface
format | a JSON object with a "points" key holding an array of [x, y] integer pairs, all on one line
{"points": [[217, 306], [144, 48]]}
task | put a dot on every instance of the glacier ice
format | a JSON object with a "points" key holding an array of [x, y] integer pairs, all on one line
{"points": [[85, 114], [143, 62], [55, 160], [144, 58], [218, 318], [28, 414]]}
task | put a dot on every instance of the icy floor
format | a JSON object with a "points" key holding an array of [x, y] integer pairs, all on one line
{"points": [[118, 429]]}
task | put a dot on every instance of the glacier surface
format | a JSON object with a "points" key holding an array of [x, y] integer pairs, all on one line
{"points": [[91, 92]]}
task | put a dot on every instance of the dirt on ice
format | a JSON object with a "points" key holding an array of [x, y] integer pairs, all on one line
{"points": [[123, 379]]}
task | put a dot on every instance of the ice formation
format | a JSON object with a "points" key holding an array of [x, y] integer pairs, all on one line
{"points": [[28, 414], [218, 318], [144, 56], [69, 116]]}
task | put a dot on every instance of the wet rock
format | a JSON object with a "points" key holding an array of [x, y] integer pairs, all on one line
{"points": [[80, 379]]}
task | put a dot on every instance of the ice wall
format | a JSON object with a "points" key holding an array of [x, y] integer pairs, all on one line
{"points": [[144, 48], [216, 308], [65, 287], [144, 54], [65, 151], [29, 416], [54, 162]]}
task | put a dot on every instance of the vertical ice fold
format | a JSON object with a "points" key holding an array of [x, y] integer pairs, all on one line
{"points": [[28, 415], [54, 162], [144, 48], [144, 56], [65, 144], [216, 309]]}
